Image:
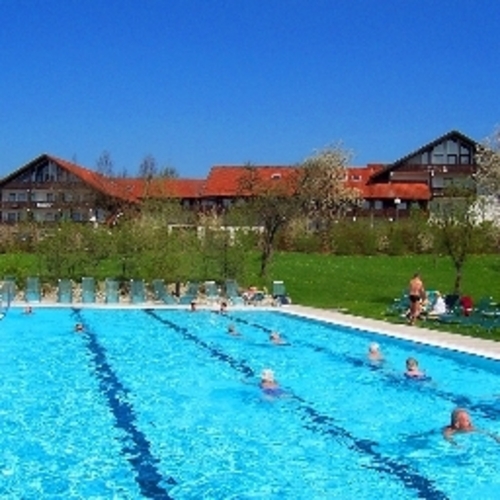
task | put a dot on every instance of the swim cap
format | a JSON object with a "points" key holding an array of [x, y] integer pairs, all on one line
{"points": [[267, 374]]}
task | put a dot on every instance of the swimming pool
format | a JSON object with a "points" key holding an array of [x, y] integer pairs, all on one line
{"points": [[160, 403]]}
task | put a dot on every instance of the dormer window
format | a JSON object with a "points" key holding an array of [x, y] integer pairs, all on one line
{"points": [[355, 178], [275, 176]]}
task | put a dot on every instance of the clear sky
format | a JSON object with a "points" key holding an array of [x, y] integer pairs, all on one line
{"points": [[197, 83]]}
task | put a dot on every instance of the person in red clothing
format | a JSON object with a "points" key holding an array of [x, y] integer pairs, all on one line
{"points": [[467, 305]]}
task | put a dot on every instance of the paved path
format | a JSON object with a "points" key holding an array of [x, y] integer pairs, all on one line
{"points": [[482, 347]]}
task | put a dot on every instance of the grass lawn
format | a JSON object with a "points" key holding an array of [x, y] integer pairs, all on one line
{"points": [[366, 286]]}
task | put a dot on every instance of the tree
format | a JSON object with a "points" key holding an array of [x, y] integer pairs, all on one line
{"points": [[316, 188], [104, 164], [488, 165], [324, 192], [272, 201], [455, 227], [168, 172], [148, 168]]}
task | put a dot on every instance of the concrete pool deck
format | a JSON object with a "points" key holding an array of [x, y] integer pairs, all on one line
{"points": [[454, 341]]}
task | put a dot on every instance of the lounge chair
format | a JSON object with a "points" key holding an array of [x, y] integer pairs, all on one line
{"points": [[33, 293], [137, 292], [9, 290], [400, 306], [232, 293], [88, 290], [190, 294], [279, 293], [65, 291], [111, 292], [161, 293], [211, 291]]}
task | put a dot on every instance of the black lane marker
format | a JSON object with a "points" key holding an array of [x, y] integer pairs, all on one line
{"points": [[135, 447], [326, 424], [491, 411]]}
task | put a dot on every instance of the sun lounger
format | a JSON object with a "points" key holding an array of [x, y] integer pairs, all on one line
{"points": [[211, 291], [279, 293], [88, 290], [65, 291], [137, 292], [33, 293], [161, 293], [190, 294], [111, 292], [9, 289], [232, 293]]}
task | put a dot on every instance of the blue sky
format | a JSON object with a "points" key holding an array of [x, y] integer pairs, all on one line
{"points": [[197, 83]]}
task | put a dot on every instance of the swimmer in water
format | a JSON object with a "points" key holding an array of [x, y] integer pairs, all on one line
{"points": [[413, 371], [277, 339], [269, 384], [461, 423], [374, 352], [232, 331]]}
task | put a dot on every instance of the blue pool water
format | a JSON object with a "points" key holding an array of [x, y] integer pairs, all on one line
{"points": [[165, 404]]}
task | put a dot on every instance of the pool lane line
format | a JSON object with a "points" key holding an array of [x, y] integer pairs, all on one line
{"points": [[491, 411], [324, 423], [136, 448]]}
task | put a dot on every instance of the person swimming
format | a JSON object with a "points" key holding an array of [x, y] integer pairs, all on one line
{"points": [[231, 329], [413, 371], [374, 352], [277, 339], [461, 423], [269, 384]]}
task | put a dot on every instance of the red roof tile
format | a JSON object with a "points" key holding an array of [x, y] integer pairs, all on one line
{"points": [[224, 181], [393, 190]]}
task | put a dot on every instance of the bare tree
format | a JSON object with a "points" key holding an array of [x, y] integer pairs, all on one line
{"points": [[104, 164], [148, 169], [168, 172]]}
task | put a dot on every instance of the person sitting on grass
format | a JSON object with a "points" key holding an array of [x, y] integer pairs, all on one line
{"points": [[439, 306]]}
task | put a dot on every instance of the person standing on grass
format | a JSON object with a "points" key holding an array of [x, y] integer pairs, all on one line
{"points": [[416, 294]]}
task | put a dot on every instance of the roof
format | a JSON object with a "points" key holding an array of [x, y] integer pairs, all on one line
{"points": [[127, 189], [393, 190], [454, 134], [226, 180], [160, 187]]}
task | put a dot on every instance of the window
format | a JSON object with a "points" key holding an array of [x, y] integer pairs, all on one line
{"points": [[23, 196], [12, 197], [378, 205], [275, 177], [50, 197]]}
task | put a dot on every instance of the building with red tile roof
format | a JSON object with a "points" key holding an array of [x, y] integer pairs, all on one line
{"points": [[51, 189]]}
